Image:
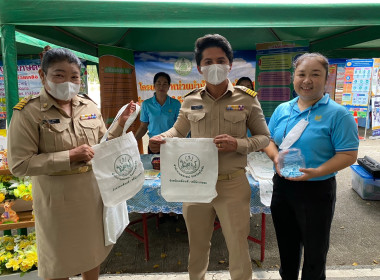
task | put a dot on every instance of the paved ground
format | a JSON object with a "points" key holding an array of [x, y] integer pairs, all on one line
{"points": [[354, 241], [364, 273]]}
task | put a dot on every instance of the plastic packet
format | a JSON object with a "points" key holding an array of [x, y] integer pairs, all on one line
{"points": [[290, 161], [156, 162]]}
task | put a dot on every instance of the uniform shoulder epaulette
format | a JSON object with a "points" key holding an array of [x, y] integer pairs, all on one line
{"points": [[193, 91], [247, 91], [85, 96], [19, 106]]}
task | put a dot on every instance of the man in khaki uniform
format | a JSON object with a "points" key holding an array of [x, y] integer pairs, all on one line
{"points": [[223, 112]]}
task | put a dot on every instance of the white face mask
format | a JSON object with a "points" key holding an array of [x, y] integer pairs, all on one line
{"points": [[63, 91], [215, 74]]}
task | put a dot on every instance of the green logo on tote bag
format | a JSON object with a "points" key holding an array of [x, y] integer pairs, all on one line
{"points": [[188, 163], [189, 166], [124, 167]]}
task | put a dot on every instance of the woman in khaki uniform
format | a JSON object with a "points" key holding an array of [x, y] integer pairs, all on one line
{"points": [[50, 139]]}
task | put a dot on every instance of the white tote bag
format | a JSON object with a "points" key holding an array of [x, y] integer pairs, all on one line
{"points": [[189, 170], [115, 220], [117, 165]]}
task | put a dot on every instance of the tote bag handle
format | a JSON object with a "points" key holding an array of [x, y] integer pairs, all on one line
{"points": [[127, 124]]}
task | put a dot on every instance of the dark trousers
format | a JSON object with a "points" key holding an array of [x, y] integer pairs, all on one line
{"points": [[302, 213]]}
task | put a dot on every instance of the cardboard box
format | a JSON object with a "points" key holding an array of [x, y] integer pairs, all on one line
{"points": [[364, 183]]}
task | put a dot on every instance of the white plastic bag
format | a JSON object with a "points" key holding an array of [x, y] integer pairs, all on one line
{"points": [[261, 168], [189, 170], [117, 165], [115, 220]]}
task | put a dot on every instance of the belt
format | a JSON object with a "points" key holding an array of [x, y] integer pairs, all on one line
{"points": [[82, 169], [232, 175]]}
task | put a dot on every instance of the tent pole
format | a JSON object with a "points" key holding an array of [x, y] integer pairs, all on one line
{"points": [[9, 51]]}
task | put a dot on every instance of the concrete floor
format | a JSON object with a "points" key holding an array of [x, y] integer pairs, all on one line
{"points": [[354, 236]]}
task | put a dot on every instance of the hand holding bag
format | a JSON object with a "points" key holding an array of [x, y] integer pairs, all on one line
{"points": [[117, 165], [189, 170]]}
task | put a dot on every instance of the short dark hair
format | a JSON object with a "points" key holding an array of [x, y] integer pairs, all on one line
{"points": [[57, 55], [161, 74], [244, 79], [209, 41]]}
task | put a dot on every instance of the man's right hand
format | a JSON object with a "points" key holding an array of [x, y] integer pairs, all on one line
{"points": [[82, 153], [155, 143]]}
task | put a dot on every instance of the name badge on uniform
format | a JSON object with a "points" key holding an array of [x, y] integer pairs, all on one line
{"points": [[235, 107], [51, 121], [88, 117], [196, 107]]}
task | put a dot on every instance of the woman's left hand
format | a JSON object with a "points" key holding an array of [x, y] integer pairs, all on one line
{"points": [[127, 113], [308, 174]]}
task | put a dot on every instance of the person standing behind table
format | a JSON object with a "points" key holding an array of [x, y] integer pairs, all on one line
{"points": [[222, 112], [50, 139], [245, 82], [159, 112], [303, 207]]}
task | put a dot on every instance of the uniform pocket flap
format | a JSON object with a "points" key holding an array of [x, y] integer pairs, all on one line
{"points": [[195, 117], [234, 117], [89, 123], [58, 127]]}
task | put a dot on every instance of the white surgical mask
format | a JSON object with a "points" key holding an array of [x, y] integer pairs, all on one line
{"points": [[215, 74], [63, 91]]}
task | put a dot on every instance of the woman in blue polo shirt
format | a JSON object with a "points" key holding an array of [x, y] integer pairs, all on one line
{"points": [[303, 207], [158, 113]]}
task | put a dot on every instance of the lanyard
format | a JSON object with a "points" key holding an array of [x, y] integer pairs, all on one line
{"points": [[287, 122]]}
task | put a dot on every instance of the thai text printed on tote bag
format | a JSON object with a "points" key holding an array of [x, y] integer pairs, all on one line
{"points": [[189, 170]]}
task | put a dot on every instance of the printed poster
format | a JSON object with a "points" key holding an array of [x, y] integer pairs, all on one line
{"points": [[357, 86], [339, 77], [274, 70], [117, 78], [376, 97], [331, 81], [29, 82], [182, 69], [339, 82]]}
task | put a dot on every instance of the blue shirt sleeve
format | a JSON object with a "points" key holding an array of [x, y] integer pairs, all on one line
{"points": [[144, 117], [178, 107], [272, 122], [345, 134]]}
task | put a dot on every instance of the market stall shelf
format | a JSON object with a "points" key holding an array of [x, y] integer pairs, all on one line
{"points": [[5, 172], [21, 203], [24, 222]]}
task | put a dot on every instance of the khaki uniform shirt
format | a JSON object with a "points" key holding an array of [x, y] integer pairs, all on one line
{"points": [[41, 134], [207, 117]]}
